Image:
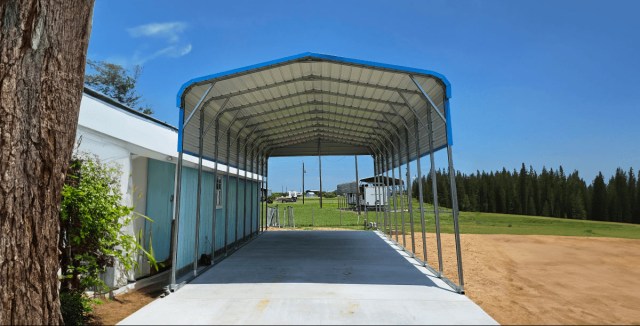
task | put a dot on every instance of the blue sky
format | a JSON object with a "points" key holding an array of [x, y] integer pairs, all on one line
{"points": [[547, 83]]}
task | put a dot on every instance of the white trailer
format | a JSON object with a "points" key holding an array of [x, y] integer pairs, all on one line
{"points": [[370, 195]]}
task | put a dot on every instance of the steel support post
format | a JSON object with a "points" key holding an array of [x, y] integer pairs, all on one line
{"points": [[320, 171], [409, 194], [227, 202], [235, 235], [420, 194], [199, 194], [253, 158], [454, 205], [387, 201], [404, 236], [263, 196], [375, 188], [379, 192], [434, 190], [176, 220], [215, 192], [244, 193], [266, 172], [357, 186], [176, 212], [263, 216], [390, 193], [456, 224], [256, 204], [394, 192]]}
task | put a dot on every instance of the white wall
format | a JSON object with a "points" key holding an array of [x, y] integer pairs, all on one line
{"points": [[139, 135]]}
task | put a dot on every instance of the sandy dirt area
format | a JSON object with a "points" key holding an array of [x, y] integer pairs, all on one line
{"points": [[110, 312], [546, 279]]}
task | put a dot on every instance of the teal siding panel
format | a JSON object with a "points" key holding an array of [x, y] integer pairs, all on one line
{"points": [[206, 214], [232, 210], [186, 234], [242, 209], [246, 206], [254, 212], [159, 208]]}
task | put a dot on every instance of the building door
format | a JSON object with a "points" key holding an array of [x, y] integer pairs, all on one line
{"points": [[160, 199]]}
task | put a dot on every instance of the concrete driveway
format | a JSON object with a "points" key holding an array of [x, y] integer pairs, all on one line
{"points": [[314, 277]]}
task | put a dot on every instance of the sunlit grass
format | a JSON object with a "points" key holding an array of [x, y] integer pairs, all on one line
{"points": [[310, 215]]}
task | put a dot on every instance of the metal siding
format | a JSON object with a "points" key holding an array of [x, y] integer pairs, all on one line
{"points": [[242, 208], [232, 210], [206, 213], [159, 207], [255, 217], [187, 225]]}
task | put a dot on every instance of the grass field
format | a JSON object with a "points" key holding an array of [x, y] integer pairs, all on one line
{"points": [[470, 222]]}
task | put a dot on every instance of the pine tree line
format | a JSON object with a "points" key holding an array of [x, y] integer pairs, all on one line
{"points": [[549, 193]]}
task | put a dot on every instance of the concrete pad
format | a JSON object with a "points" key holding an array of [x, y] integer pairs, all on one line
{"points": [[315, 277]]}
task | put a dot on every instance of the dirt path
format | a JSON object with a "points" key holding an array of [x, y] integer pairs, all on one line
{"points": [[110, 312], [547, 279]]}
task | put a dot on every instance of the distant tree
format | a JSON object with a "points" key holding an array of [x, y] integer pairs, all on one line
{"points": [[599, 199], [578, 210], [636, 210], [551, 193], [117, 82], [632, 184], [546, 211], [523, 191], [623, 200]]}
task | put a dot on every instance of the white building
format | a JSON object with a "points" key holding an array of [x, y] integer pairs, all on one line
{"points": [[146, 151]]}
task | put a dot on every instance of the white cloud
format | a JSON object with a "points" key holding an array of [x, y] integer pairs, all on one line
{"points": [[170, 32], [172, 51]]}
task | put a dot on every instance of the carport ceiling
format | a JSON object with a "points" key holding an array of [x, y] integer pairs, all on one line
{"points": [[312, 104]]}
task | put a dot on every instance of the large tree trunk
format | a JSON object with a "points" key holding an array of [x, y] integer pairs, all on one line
{"points": [[43, 46]]}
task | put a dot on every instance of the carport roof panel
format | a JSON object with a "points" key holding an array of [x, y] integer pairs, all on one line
{"points": [[310, 55], [283, 106]]}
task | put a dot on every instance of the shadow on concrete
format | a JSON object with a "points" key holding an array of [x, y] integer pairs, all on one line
{"points": [[335, 257]]}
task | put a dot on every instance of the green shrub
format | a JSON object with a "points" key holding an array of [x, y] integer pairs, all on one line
{"points": [[329, 194], [74, 307], [91, 239]]}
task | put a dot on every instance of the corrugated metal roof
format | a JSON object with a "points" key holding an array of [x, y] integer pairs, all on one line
{"points": [[312, 104]]}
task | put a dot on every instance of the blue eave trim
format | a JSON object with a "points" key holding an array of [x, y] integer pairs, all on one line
{"points": [[310, 55], [180, 128], [447, 112]]}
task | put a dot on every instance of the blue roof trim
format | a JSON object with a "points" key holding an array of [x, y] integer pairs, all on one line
{"points": [[331, 58], [180, 128], [447, 112]]}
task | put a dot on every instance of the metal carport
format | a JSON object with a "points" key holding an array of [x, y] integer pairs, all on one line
{"points": [[312, 104]]}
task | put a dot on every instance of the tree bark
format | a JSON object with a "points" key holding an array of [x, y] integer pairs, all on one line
{"points": [[43, 46]]}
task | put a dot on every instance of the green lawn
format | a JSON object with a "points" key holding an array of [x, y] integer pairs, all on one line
{"points": [[470, 222]]}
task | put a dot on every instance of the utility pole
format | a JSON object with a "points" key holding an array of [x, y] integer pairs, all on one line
{"points": [[303, 172]]}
